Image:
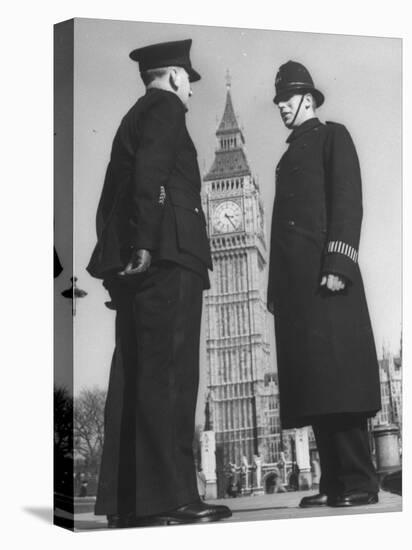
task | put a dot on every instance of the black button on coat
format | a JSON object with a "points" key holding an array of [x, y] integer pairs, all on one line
{"points": [[326, 354], [151, 193]]}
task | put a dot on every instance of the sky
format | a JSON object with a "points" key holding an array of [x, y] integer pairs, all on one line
{"points": [[361, 80]]}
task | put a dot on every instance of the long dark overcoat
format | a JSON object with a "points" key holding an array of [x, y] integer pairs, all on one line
{"points": [[326, 354]]}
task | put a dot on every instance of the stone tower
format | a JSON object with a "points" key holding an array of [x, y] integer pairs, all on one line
{"points": [[243, 397]]}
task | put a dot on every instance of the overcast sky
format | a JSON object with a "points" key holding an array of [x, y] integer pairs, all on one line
{"points": [[361, 79]]}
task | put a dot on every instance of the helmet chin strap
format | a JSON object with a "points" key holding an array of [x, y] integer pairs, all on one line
{"points": [[297, 110]]}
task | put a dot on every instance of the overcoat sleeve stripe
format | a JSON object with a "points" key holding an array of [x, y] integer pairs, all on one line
{"points": [[343, 248]]}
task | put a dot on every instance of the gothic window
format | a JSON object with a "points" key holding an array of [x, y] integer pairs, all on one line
{"points": [[229, 272], [235, 273], [245, 373], [222, 277], [226, 277], [222, 318], [247, 363], [246, 327], [220, 416], [226, 415]]}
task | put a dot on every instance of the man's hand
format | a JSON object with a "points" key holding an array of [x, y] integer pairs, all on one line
{"points": [[271, 307], [333, 282], [139, 262]]}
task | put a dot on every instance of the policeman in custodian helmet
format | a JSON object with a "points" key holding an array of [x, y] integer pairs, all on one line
{"points": [[327, 363]]}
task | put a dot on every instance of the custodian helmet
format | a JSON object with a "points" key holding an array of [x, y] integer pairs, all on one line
{"points": [[293, 77]]}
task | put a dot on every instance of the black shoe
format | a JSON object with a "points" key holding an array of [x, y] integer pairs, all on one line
{"points": [[119, 521], [314, 501], [358, 498], [196, 512]]}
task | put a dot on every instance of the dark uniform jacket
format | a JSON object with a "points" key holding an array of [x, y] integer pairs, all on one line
{"points": [[325, 349], [151, 193]]}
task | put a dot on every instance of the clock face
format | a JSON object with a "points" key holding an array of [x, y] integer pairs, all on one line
{"points": [[227, 217]]}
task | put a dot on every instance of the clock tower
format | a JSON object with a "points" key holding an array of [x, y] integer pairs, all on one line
{"points": [[242, 406]]}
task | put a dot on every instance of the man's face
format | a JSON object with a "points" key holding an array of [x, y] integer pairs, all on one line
{"points": [[288, 107], [184, 90]]}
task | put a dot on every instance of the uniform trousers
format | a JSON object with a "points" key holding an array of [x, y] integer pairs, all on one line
{"points": [[344, 453], [147, 462]]}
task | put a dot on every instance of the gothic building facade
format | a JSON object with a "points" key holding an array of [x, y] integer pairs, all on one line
{"points": [[390, 371], [242, 383]]}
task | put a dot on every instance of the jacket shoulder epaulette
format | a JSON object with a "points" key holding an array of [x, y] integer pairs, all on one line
{"points": [[334, 124], [336, 129]]}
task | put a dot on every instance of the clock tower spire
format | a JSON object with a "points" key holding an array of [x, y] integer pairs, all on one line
{"points": [[230, 157], [228, 80]]}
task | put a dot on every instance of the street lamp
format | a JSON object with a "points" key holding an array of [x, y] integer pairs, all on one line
{"points": [[73, 293]]}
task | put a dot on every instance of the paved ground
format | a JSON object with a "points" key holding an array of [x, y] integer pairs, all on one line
{"points": [[277, 506]]}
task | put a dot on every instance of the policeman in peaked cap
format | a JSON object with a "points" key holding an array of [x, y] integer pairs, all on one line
{"points": [[166, 54], [327, 363], [153, 255]]}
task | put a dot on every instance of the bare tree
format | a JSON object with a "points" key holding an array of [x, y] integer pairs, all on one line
{"points": [[63, 441], [89, 425], [63, 421]]}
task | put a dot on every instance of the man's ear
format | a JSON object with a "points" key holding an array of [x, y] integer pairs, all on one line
{"points": [[309, 101], [174, 79]]}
